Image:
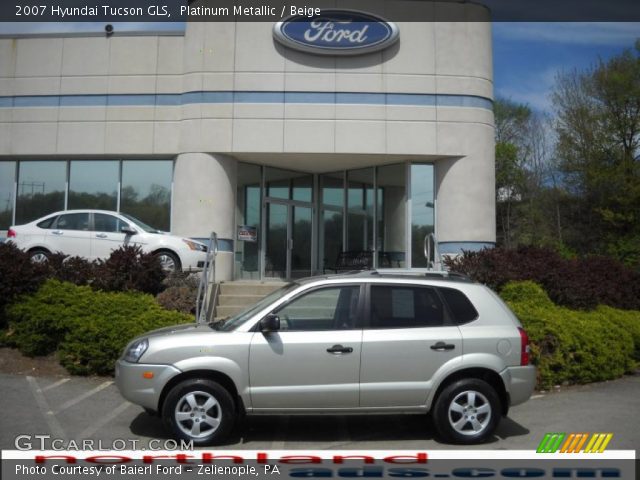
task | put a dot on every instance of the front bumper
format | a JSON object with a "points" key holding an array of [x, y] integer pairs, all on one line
{"points": [[140, 390], [192, 259], [519, 382]]}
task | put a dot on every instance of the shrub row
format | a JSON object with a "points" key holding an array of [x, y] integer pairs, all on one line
{"points": [[127, 269], [574, 346], [88, 328], [581, 283]]}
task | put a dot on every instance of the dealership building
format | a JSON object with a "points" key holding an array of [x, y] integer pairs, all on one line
{"points": [[293, 141]]}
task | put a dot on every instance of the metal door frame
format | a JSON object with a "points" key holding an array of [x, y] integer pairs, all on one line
{"points": [[263, 247]]}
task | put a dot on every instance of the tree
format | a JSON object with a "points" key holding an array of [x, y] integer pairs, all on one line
{"points": [[598, 127]]}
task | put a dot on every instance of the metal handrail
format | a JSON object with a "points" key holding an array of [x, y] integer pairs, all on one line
{"points": [[207, 296], [436, 262]]}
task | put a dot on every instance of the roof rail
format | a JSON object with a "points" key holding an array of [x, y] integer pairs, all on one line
{"points": [[442, 274]]}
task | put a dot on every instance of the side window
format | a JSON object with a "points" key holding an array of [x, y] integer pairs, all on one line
{"points": [[107, 223], [332, 308], [461, 307], [73, 221], [405, 307], [47, 222]]}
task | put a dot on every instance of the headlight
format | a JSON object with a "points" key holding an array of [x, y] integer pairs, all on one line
{"points": [[135, 350], [195, 245]]}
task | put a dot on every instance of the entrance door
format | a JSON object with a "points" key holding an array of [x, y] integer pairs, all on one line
{"points": [[288, 240]]}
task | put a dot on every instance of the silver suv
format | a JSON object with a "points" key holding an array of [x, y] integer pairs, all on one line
{"points": [[367, 342]]}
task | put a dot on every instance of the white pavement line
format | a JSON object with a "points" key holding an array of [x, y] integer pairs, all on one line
{"points": [[52, 422], [84, 396], [55, 384], [533, 397], [280, 432], [93, 428]]}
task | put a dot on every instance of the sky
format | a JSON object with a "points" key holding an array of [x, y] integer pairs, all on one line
{"points": [[528, 56]]}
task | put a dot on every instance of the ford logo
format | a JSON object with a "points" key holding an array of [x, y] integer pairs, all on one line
{"points": [[336, 32]]}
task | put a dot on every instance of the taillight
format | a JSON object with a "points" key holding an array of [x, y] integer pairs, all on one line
{"points": [[11, 233], [524, 347]]}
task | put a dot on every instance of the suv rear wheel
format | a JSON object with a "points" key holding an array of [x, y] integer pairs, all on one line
{"points": [[199, 410], [467, 411]]}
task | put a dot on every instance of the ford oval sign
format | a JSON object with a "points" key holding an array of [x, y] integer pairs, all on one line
{"points": [[336, 32]]}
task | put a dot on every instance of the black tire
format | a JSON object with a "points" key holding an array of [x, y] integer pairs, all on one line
{"points": [[166, 257], [39, 255], [473, 424], [200, 390]]}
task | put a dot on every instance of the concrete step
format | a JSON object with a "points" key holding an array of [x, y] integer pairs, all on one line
{"points": [[238, 300], [224, 311], [249, 288]]}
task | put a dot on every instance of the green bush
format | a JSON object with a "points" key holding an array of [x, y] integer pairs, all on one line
{"points": [[88, 328], [574, 346]]}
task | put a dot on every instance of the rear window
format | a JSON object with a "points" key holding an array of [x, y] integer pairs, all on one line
{"points": [[46, 223], [460, 306], [405, 307]]}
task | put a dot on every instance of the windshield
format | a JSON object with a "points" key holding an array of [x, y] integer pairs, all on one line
{"points": [[140, 224], [237, 320]]}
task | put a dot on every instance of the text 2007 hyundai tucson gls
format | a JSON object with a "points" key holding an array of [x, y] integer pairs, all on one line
{"points": [[353, 343]]}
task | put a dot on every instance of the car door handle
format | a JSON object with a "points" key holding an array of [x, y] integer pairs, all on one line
{"points": [[339, 349], [101, 235], [56, 232], [441, 346]]}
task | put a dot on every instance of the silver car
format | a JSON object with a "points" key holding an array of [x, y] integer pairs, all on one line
{"points": [[368, 342]]}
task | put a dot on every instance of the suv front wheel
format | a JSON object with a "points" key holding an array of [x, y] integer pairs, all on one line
{"points": [[199, 410], [467, 411]]}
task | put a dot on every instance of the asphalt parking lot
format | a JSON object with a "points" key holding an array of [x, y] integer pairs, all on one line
{"points": [[74, 408]]}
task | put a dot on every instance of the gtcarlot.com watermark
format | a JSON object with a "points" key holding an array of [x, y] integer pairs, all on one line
{"points": [[47, 442]]}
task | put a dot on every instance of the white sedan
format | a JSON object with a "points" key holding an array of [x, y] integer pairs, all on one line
{"points": [[94, 234]]}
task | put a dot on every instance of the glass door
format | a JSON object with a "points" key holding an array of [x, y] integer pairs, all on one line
{"points": [[300, 245], [288, 240], [276, 248]]}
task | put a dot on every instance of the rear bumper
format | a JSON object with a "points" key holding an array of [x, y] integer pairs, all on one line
{"points": [[519, 383]]}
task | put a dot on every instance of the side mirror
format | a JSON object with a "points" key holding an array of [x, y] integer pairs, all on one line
{"points": [[270, 323], [128, 231]]}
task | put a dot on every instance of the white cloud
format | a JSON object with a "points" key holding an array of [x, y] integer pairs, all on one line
{"points": [[533, 89], [576, 33]]}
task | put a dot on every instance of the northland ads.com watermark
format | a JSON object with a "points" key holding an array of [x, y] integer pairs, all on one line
{"points": [[46, 442]]}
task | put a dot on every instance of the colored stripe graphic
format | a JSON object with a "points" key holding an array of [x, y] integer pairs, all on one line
{"points": [[598, 442], [574, 442], [550, 443]]}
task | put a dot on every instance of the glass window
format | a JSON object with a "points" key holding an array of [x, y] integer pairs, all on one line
{"points": [[7, 179], [360, 225], [422, 211], [146, 191], [289, 185], [462, 309], [93, 184], [47, 223], [405, 307], [323, 309], [248, 213], [107, 223], [41, 189], [332, 189], [73, 221]]}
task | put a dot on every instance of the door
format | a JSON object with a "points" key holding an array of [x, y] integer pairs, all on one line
{"points": [[288, 240], [406, 339], [70, 235], [106, 235], [313, 361]]}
